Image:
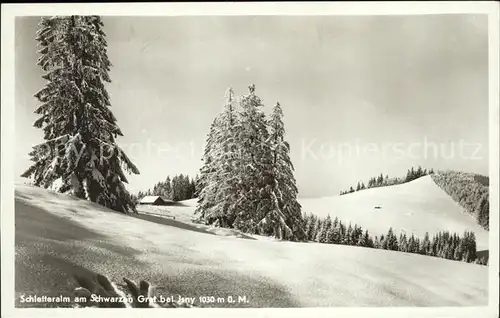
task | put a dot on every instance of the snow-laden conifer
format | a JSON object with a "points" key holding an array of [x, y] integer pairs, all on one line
{"points": [[285, 187], [246, 180], [205, 199], [220, 191], [79, 150]]}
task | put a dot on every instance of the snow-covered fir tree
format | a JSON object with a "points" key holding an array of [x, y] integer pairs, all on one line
{"points": [[316, 228], [256, 205], [348, 236], [392, 243], [168, 188], [79, 149], [334, 233], [246, 180], [322, 235], [285, 188], [367, 240], [265, 175], [425, 247], [220, 191], [205, 200], [403, 243]]}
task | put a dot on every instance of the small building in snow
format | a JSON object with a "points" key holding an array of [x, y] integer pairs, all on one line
{"points": [[155, 200]]}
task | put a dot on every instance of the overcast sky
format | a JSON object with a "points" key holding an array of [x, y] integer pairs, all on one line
{"points": [[361, 95]]}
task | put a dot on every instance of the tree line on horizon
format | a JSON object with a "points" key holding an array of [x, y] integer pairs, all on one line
{"points": [[247, 178], [79, 154], [443, 244], [178, 188], [469, 190], [381, 181]]}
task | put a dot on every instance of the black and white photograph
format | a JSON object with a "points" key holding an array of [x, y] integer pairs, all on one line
{"points": [[239, 159]]}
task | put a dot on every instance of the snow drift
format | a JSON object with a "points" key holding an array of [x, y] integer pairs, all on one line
{"points": [[58, 236]]}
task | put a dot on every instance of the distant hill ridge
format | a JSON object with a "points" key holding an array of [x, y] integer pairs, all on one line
{"points": [[470, 190], [417, 207], [381, 181], [58, 236]]}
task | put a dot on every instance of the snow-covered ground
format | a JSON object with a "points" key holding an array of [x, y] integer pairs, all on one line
{"points": [[58, 236], [183, 213], [416, 207]]}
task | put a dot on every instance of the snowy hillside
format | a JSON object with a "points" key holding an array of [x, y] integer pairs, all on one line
{"points": [[57, 236], [417, 207]]}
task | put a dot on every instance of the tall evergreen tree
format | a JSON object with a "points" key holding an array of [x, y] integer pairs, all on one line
{"points": [[342, 233], [220, 176], [205, 198], [225, 182], [391, 240], [458, 253], [411, 244], [365, 240], [80, 152], [425, 246], [334, 233], [192, 187], [258, 205], [403, 243], [247, 180], [469, 243], [285, 189], [434, 245], [184, 187], [255, 199], [316, 229], [322, 235], [310, 221]]}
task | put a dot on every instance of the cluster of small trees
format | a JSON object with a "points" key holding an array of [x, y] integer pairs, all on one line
{"points": [[414, 174], [79, 154], [178, 188], [335, 232], [382, 181], [443, 244], [246, 181], [468, 190]]}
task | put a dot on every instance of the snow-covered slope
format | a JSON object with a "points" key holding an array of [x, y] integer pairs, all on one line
{"points": [[419, 206], [57, 236]]}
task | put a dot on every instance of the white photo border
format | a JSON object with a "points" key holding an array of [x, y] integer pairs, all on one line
{"points": [[10, 11]]}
